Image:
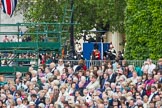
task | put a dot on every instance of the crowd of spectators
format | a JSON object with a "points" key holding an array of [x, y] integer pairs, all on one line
{"points": [[16, 39], [67, 85]]}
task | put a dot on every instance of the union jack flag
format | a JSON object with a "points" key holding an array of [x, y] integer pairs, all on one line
{"points": [[9, 6]]}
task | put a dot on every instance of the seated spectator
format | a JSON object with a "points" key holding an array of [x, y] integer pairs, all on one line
{"points": [[98, 86]]}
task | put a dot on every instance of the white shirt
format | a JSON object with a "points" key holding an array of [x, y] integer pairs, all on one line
{"points": [[151, 68], [60, 68], [21, 106], [150, 97]]}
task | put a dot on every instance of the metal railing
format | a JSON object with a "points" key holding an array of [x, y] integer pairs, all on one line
{"points": [[100, 62]]}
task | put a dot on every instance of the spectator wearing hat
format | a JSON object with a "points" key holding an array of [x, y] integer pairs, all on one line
{"points": [[41, 105], [107, 93], [32, 105], [19, 103]]}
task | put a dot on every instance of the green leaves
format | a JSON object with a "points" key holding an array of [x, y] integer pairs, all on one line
{"points": [[87, 13], [143, 23]]}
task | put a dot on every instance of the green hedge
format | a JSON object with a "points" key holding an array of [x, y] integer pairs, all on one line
{"points": [[143, 26]]}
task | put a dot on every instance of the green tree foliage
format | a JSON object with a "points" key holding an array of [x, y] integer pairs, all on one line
{"points": [[41, 10], [143, 24], [103, 14]]}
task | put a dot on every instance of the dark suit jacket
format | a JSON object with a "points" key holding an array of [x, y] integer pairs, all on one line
{"points": [[112, 79], [37, 102], [157, 93], [103, 83], [143, 93]]}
